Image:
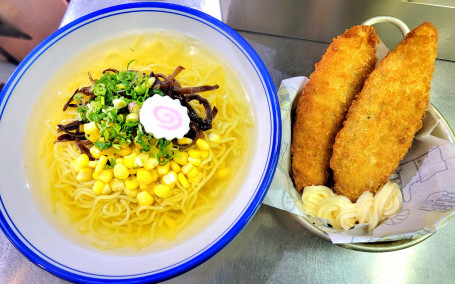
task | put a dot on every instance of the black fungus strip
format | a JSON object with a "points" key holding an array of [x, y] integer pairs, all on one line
{"points": [[204, 124], [160, 75], [87, 142], [111, 70], [176, 84], [79, 143], [193, 90], [86, 91], [159, 81], [73, 125], [193, 115], [69, 100], [77, 135], [91, 79], [64, 138], [175, 73], [195, 133], [84, 150]]}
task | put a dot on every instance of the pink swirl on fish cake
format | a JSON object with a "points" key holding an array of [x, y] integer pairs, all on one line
{"points": [[167, 117]]}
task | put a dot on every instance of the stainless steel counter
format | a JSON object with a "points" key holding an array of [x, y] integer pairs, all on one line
{"points": [[274, 248]]}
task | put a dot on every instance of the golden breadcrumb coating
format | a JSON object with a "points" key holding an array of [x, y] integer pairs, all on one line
{"points": [[382, 121], [337, 79]]}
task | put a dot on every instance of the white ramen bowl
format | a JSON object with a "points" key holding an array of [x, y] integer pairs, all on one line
{"points": [[20, 217]]}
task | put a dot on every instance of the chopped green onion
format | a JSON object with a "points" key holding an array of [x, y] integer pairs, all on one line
{"points": [[78, 97], [128, 65], [99, 90], [150, 82], [121, 87], [157, 92], [102, 145], [132, 117], [140, 89], [119, 103]]}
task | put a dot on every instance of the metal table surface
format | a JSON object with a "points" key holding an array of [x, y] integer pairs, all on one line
{"points": [[273, 247]]}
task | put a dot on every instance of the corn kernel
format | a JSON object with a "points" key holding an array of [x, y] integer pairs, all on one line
{"points": [[181, 158], [136, 150], [121, 171], [144, 176], [133, 171], [101, 163], [98, 187], [154, 174], [96, 176], [185, 140], [194, 153], [117, 185], [151, 163], [140, 160], [144, 198], [150, 187], [84, 174], [107, 189], [154, 151], [183, 181], [90, 127], [124, 151], [202, 145], [131, 183], [170, 178], [93, 137], [96, 153], [106, 176], [187, 168], [162, 170], [80, 162], [223, 172], [83, 160], [92, 164], [195, 161], [108, 152], [215, 138], [205, 154], [175, 167], [119, 161], [75, 165], [138, 146], [129, 160], [91, 131], [161, 190], [193, 172], [131, 193]]}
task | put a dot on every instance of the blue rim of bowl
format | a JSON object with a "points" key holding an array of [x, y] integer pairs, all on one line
{"points": [[241, 221]]}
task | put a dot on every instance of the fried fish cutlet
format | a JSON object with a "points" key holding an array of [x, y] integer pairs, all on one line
{"points": [[382, 121], [337, 79]]}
